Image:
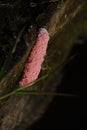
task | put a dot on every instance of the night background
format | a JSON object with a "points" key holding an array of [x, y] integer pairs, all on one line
{"points": [[64, 70], [69, 112]]}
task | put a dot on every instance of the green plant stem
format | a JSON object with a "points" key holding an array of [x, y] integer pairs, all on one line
{"points": [[7, 95], [22, 88], [46, 93], [19, 90], [30, 84]]}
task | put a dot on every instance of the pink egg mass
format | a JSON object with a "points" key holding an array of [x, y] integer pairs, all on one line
{"points": [[35, 58]]}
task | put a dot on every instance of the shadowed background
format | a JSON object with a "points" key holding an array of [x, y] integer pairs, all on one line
{"points": [[66, 22]]}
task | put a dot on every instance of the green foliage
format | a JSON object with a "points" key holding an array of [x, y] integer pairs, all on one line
{"points": [[22, 90]]}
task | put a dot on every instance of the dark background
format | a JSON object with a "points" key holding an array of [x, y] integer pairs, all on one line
{"points": [[69, 112], [64, 112]]}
